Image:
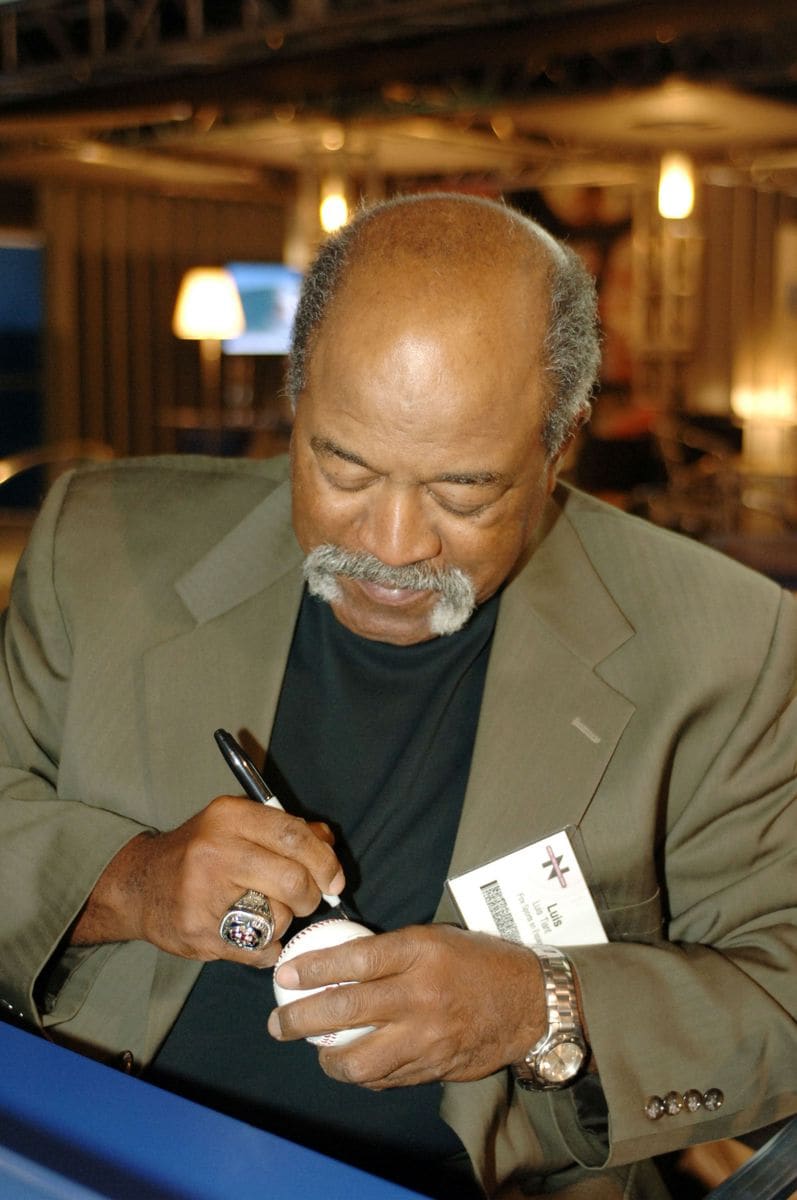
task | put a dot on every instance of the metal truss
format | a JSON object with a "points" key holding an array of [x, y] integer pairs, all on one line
{"points": [[47, 46], [54, 48]]}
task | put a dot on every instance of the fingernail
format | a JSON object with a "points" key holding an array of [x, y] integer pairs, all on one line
{"points": [[338, 883], [273, 1025], [288, 976]]}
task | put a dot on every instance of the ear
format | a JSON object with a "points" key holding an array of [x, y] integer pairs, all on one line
{"points": [[556, 463]]}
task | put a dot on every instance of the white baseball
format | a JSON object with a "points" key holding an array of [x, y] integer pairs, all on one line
{"points": [[320, 936]]}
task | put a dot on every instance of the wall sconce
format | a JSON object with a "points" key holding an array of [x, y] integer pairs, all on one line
{"points": [[333, 211], [676, 187], [208, 309]]}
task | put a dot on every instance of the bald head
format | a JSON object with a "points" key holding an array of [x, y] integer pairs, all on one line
{"points": [[466, 260]]}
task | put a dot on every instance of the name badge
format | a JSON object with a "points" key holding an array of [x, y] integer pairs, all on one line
{"points": [[536, 895]]}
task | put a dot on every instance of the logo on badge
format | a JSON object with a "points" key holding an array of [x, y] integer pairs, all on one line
{"points": [[554, 861]]}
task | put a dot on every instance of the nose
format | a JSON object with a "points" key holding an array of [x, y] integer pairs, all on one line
{"points": [[396, 528]]}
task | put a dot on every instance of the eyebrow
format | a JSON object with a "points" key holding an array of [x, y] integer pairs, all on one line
{"points": [[323, 445], [472, 478]]}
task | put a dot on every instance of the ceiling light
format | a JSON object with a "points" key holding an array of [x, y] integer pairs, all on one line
{"points": [[333, 137], [333, 212], [676, 187]]}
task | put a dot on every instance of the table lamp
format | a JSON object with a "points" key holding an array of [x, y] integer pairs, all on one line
{"points": [[208, 310]]}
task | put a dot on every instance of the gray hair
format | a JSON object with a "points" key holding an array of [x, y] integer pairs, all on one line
{"points": [[572, 341]]}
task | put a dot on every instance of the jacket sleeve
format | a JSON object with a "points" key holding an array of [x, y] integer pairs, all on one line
{"points": [[53, 848], [713, 1006]]}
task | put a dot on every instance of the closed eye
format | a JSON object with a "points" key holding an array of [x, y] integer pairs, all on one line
{"points": [[461, 508], [347, 477]]}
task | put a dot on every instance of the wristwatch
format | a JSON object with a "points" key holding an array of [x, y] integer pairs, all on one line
{"points": [[561, 1053]]}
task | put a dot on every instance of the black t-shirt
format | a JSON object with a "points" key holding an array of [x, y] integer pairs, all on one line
{"points": [[376, 740]]}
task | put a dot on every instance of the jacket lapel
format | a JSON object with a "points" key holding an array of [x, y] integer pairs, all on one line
{"points": [[226, 669], [549, 724]]}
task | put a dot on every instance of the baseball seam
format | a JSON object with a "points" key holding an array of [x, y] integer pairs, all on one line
{"points": [[297, 937]]}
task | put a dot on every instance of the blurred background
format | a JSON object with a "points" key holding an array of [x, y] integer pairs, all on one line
{"points": [[139, 140], [143, 139]]}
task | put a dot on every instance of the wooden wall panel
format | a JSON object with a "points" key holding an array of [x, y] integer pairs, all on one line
{"points": [[141, 413], [114, 260], [740, 228], [63, 376], [91, 304]]}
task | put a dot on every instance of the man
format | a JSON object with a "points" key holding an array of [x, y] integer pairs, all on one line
{"points": [[480, 660]]}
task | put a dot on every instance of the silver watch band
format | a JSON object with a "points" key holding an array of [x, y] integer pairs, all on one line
{"points": [[560, 990], [559, 1055]]}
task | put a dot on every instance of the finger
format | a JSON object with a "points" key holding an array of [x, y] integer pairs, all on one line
{"points": [[377, 1004], [364, 959], [259, 959], [292, 839], [347, 1006], [374, 1067], [397, 1055], [400, 1053], [322, 831], [376, 1062], [288, 884], [245, 845], [377, 1059]]}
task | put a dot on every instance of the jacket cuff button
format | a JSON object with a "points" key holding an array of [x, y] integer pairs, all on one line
{"points": [[654, 1108]]}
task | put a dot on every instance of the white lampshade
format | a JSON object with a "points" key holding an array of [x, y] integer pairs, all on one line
{"points": [[676, 187], [208, 305]]}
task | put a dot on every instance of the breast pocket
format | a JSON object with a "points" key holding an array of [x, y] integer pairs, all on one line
{"points": [[640, 922]]}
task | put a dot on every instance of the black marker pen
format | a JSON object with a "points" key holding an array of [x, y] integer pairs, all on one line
{"points": [[254, 784]]}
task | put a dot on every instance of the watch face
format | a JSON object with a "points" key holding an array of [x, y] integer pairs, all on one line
{"points": [[561, 1062]]}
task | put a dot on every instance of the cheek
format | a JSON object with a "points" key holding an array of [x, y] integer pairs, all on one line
{"points": [[304, 505], [319, 517], [489, 555], [486, 555], [311, 512]]}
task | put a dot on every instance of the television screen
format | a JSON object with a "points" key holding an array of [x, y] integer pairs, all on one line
{"points": [[269, 294]]}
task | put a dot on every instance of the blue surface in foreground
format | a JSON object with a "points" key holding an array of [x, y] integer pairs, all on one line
{"points": [[74, 1130]]}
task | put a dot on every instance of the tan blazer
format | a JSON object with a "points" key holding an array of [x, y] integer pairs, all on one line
{"points": [[638, 689]]}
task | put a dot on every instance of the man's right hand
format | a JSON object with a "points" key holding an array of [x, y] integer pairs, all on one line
{"points": [[173, 888]]}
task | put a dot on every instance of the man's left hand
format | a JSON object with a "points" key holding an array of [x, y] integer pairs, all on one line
{"points": [[445, 1003]]}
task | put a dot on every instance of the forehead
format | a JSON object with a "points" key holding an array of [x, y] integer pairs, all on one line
{"points": [[436, 329], [491, 297], [442, 387]]}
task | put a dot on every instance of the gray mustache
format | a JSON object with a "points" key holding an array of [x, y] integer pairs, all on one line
{"points": [[451, 583], [457, 595]]}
